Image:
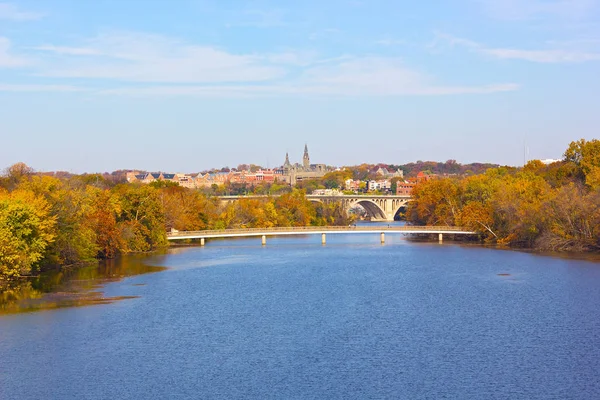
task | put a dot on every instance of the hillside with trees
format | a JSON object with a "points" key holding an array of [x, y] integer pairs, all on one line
{"points": [[547, 207]]}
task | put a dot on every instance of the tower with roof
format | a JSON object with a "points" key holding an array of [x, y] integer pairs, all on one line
{"points": [[306, 159]]}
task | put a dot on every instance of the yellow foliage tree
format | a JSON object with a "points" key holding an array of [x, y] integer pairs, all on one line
{"points": [[26, 231]]}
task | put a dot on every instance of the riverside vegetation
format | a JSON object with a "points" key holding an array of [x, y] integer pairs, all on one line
{"points": [[49, 222], [552, 207]]}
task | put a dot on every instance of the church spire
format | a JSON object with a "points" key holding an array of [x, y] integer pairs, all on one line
{"points": [[306, 158], [287, 160]]}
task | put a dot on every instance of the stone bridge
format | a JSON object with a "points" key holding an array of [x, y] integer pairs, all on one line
{"points": [[378, 208]]}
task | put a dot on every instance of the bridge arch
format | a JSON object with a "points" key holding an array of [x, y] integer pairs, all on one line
{"points": [[398, 206], [400, 211], [373, 210]]}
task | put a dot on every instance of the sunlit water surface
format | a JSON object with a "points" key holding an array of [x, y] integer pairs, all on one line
{"points": [[295, 319]]}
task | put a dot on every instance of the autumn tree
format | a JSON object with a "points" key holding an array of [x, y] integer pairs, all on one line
{"points": [[586, 155], [435, 202], [141, 219], [26, 231]]}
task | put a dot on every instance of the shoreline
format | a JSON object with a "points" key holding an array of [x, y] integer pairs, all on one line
{"points": [[81, 284]]}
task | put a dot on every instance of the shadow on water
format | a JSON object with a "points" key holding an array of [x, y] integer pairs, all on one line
{"points": [[73, 286]]}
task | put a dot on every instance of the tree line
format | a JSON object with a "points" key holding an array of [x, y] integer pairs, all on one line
{"points": [[52, 222], [548, 207]]}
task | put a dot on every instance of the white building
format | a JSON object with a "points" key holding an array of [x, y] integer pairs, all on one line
{"points": [[379, 185]]}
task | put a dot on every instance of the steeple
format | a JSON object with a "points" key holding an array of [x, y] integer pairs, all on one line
{"points": [[287, 163], [306, 158]]}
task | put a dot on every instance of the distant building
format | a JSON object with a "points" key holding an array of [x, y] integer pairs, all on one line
{"points": [[294, 173], [143, 177], [185, 180], [549, 161], [405, 188], [351, 184], [425, 176], [288, 173], [381, 185], [387, 174]]}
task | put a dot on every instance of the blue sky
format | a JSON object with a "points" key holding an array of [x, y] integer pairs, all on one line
{"points": [[186, 85]]}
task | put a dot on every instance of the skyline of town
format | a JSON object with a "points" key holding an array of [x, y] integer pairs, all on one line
{"points": [[236, 167]]}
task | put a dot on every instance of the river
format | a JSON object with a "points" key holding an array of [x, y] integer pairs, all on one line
{"points": [[353, 319]]}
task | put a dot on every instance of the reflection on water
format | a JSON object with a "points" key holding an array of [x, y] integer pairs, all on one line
{"points": [[294, 319], [82, 286], [72, 287]]}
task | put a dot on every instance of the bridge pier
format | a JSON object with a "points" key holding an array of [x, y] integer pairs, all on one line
{"points": [[441, 238], [201, 241], [382, 238], [264, 240], [323, 238]]}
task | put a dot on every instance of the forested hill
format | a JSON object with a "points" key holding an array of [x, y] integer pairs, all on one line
{"points": [[410, 170], [549, 207]]}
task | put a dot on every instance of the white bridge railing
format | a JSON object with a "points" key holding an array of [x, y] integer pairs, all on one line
{"points": [[300, 230]]}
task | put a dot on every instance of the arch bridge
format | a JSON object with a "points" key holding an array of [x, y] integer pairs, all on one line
{"points": [[378, 208]]}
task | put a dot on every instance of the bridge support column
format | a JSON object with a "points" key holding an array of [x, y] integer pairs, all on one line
{"points": [[323, 239], [441, 238], [382, 238], [264, 240], [201, 241]]}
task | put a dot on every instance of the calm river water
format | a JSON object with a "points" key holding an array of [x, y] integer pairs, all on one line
{"points": [[297, 320]]}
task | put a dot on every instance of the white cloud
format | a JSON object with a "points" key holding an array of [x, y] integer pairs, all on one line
{"points": [[169, 67], [367, 76], [381, 76], [73, 51], [152, 58], [11, 12], [7, 87], [292, 57], [7, 60], [554, 56], [543, 56]]}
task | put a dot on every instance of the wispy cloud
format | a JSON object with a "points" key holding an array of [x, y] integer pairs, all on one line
{"points": [[153, 58], [543, 56], [73, 51], [555, 55], [7, 59], [7, 87], [382, 76], [368, 76], [292, 57], [125, 63], [11, 12]]}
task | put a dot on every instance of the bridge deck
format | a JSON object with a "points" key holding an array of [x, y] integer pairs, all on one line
{"points": [[312, 230]]}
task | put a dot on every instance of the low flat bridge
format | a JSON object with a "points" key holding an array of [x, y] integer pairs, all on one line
{"points": [[378, 208], [316, 230]]}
